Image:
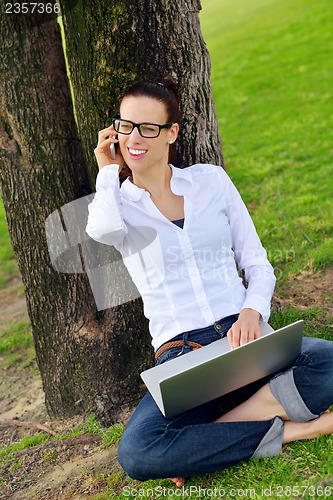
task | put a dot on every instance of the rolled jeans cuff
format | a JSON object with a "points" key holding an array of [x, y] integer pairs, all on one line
{"points": [[271, 443], [284, 389]]}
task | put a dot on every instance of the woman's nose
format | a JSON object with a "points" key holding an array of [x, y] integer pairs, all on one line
{"points": [[135, 135]]}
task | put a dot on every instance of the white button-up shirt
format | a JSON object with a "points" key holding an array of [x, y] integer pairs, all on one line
{"points": [[188, 278]]}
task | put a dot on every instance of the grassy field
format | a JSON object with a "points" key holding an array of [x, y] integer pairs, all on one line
{"points": [[272, 73], [272, 83], [8, 268]]}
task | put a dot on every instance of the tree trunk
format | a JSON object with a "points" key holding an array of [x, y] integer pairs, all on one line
{"points": [[111, 44], [89, 357], [80, 351]]}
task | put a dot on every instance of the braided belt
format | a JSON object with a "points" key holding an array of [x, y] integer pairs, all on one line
{"points": [[175, 343]]}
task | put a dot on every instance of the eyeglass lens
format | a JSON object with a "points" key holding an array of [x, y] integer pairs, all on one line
{"points": [[145, 129]]}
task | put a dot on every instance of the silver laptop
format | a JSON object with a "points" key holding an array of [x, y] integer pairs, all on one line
{"points": [[214, 370]]}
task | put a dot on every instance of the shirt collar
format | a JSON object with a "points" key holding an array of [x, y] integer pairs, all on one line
{"points": [[131, 191], [135, 193]]}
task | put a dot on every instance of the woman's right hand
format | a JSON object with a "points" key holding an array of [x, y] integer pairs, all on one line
{"points": [[106, 137]]}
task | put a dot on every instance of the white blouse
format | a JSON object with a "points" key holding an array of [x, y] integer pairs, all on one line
{"points": [[188, 277]]}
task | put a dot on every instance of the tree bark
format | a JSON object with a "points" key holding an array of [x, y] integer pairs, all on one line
{"points": [[80, 351], [111, 44], [89, 359]]}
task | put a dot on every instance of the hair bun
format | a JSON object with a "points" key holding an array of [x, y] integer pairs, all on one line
{"points": [[163, 89], [169, 83]]}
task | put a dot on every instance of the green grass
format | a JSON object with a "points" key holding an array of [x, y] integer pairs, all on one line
{"points": [[272, 83], [109, 436], [16, 346], [261, 479], [15, 337], [8, 268], [23, 443]]}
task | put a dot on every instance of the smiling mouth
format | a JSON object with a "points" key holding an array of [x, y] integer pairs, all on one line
{"points": [[137, 152]]}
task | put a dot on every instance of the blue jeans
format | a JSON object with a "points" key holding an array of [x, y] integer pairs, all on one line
{"points": [[188, 444]]}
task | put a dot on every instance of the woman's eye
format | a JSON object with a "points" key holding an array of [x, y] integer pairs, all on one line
{"points": [[125, 127], [148, 129]]}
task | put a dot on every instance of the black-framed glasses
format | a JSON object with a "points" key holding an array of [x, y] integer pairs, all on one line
{"points": [[147, 130]]}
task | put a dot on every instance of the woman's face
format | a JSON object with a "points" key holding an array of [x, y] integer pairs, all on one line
{"points": [[143, 154]]}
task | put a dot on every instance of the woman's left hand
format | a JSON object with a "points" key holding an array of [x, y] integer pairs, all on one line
{"points": [[245, 329]]}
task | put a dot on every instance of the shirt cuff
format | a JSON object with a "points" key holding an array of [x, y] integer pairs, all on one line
{"points": [[107, 176], [258, 303]]}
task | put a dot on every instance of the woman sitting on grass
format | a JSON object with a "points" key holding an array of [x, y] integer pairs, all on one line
{"points": [[193, 294]]}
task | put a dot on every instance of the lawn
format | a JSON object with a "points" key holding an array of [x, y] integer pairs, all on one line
{"points": [[272, 74], [272, 71], [8, 268]]}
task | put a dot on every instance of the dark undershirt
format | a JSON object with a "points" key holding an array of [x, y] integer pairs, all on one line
{"points": [[179, 222]]}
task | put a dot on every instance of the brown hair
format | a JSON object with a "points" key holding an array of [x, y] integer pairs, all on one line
{"points": [[163, 90]]}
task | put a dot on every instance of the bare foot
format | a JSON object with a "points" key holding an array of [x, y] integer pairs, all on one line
{"points": [[179, 481], [293, 431]]}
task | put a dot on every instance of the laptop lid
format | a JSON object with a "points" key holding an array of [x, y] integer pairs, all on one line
{"points": [[199, 376]]}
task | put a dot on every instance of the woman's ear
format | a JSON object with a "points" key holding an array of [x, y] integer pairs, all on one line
{"points": [[173, 133]]}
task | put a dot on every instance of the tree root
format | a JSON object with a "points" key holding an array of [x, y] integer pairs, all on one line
{"points": [[19, 423]]}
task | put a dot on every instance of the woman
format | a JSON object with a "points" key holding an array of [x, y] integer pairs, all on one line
{"points": [[192, 295]]}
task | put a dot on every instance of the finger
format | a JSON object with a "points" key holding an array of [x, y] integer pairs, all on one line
{"points": [[229, 337], [257, 332], [233, 336], [244, 335], [103, 145], [240, 334], [109, 140], [254, 331], [249, 332], [107, 133], [107, 130]]}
